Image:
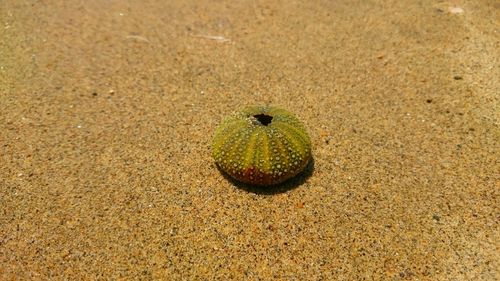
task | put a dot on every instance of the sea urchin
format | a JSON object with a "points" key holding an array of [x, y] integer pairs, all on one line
{"points": [[261, 145]]}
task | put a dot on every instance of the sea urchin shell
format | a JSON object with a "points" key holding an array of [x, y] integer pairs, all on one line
{"points": [[261, 145]]}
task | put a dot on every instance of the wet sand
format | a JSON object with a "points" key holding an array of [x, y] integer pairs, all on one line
{"points": [[107, 109]]}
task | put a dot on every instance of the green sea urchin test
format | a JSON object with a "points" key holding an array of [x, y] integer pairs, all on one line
{"points": [[261, 145]]}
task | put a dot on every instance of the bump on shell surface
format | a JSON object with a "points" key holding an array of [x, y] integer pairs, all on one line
{"points": [[259, 154]]}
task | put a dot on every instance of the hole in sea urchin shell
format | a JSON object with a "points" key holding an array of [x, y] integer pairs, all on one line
{"points": [[263, 119]]}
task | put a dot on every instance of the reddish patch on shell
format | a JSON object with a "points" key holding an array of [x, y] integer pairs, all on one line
{"points": [[252, 175]]}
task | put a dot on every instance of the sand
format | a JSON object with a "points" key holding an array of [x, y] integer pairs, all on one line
{"points": [[107, 109]]}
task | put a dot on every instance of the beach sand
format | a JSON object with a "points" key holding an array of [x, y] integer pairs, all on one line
{"points": [[107, 110]]}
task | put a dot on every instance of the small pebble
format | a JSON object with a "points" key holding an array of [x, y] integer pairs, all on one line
{"points": [[456, 10]]}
